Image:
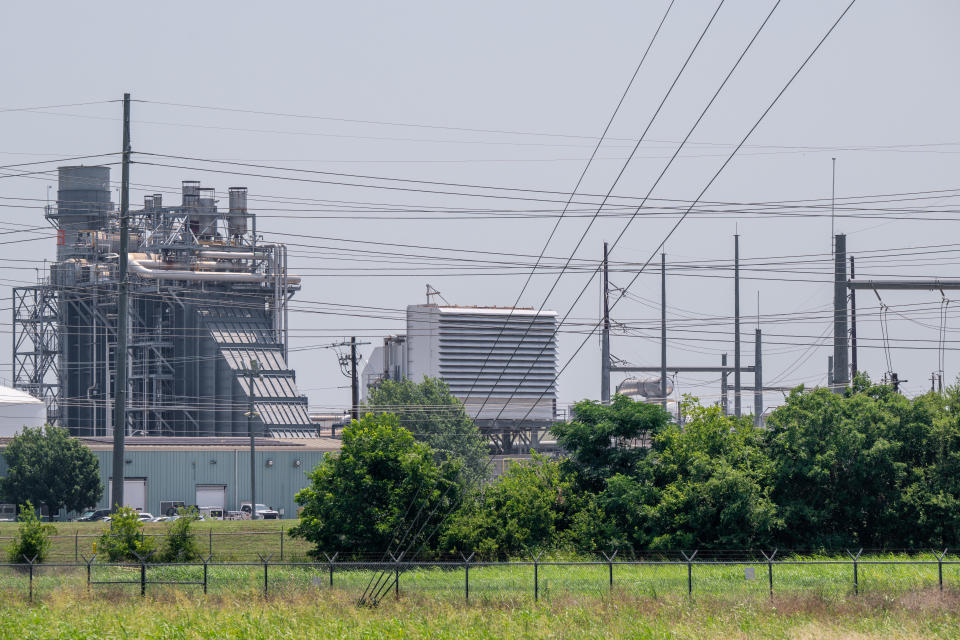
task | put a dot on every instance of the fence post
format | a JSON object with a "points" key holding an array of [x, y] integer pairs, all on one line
{"points": [[466, 575], [76, 546], [330, 562], [89, 562], [856, 577], [210, 542], [265, 562], [770, 568], [281, 543], [143, 572], [30, 561], [536, 576], [205, 562], [689, 560], [396, 573], [940, 557], [610, 564]]}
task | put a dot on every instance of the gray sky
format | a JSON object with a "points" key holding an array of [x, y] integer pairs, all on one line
{"points": [[514, 95]]}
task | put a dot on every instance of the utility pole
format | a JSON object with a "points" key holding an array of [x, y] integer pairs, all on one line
{"points": [[354, 380], [605, 334], [663, 330], [840, 350], [736, 325], [758, 380], [252, 372], [724, 387], [853, 325], [120, 392], [833, 198], [348, 366]]}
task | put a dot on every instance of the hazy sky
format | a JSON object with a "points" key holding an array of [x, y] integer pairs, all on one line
{"points": [[514, 95]]}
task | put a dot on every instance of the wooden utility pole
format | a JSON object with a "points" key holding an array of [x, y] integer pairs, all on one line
{"points": [[354, 381], [120, 387], [736, 326], [853, 325], [605, 334], [663, 334]]}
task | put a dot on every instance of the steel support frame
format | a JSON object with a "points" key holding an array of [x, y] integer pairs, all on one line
{"points": [[36, 345]]}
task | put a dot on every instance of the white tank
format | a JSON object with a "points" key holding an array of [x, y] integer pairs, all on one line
{"points": [[18, 410]]}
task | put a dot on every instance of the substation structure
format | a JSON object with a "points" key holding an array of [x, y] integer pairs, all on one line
{"points": [[207, 317]]}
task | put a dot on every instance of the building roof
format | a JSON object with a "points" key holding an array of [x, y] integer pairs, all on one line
{"points": [[175, 443], [9, 395]]}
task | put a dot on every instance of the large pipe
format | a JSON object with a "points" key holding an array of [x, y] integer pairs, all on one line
{"points": [[232, 255], [139, 261]]}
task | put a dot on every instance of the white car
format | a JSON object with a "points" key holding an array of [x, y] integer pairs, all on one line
{"points": [[144, 516], [263, 512]]}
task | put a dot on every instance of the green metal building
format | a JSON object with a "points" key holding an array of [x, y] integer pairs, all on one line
{"points": [[162, 473]]}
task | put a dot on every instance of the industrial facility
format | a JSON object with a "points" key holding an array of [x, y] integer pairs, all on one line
{"points": [[19, 409], [499, 361], [207, 317], [163, 473]]}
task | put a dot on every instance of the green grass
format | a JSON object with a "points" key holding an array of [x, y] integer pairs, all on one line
{"points": [[232, 540], [810, 601], [514, 582], [325, 613]]}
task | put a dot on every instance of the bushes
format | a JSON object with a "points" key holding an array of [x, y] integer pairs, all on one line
{"points": [[33, 537], [527, 508], [868, 468], [124, 539], [180, 544]]}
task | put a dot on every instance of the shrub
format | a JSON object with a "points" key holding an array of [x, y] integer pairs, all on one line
{"points": [[124, 539], [528, 508], [180, 544], [33, 537]]}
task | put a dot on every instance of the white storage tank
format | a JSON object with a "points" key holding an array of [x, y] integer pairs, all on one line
{"points": [[19, 409]]}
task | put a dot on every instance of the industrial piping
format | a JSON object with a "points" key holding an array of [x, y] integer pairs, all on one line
{"points": [[139, 261]]}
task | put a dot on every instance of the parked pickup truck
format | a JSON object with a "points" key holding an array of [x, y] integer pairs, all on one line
{"points": [[263, 512]]}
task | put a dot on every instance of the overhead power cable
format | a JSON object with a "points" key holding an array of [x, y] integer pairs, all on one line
{"points": [[716, 175]]}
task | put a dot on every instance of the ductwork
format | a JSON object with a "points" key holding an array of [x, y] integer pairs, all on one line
{"points": [[146, 266]]}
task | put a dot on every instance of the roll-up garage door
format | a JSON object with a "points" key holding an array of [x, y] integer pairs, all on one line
{"points": [[211, 495], [134, 493]]}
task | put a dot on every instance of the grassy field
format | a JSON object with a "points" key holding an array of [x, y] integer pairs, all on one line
{"points": [[809, 601], [238, 540], [71, 613]]}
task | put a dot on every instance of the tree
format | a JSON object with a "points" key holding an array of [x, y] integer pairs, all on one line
{"points": [[435, 417], [703, 485], [867, 467], [604, 440], [47, 466], [382, 490], [529, 507]]}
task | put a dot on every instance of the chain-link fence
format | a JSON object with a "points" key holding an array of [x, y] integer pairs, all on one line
{"points": [[688, 573]]}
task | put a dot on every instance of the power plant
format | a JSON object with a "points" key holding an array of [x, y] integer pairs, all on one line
{"points": [[501, 362], [207, 317]]}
